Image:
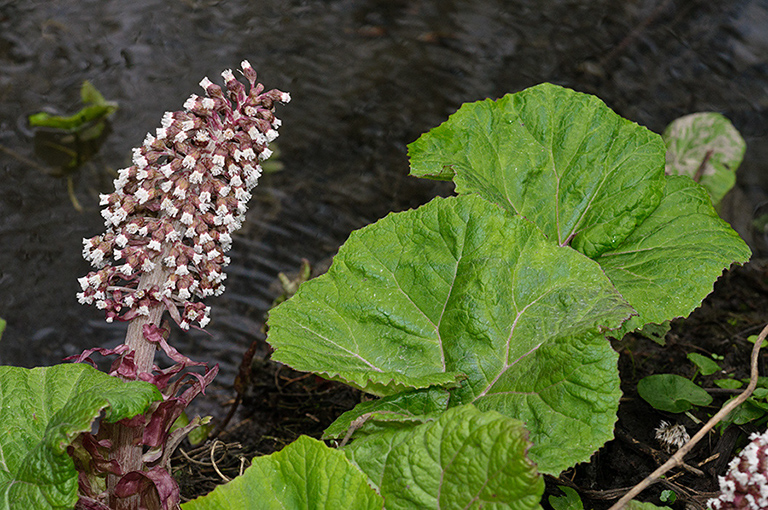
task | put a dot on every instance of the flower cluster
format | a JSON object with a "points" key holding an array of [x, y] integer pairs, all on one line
{"points": [[174, 210], [745, 485]]}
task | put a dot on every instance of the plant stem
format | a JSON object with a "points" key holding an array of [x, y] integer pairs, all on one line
{"points": [[125, 450], [677, 458]]}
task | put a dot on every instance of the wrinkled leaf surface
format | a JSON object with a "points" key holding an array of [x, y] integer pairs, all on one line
{"points": [[593, 180], [564, 160], [671, 261], [304, 475], [44, 410], [460, 288], [466, 459]]}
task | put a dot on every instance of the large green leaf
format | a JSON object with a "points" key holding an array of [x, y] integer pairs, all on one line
{"points": [[586, 176], [304, 475], [465, 459], [460, 286], [43, 411], [705, 146], [670, 262], [564, 160]]}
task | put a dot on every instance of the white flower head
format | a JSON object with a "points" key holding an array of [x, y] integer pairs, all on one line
{"points": [[153, 220], [190, 103], [142, 195], [227, 75], [189, 161], [747, 478]]}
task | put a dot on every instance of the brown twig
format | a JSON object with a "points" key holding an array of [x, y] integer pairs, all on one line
{"points": [[677, 458], [703, 165], [213, 462]]}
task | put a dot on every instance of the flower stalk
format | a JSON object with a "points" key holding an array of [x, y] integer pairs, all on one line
{"points": [[169, 223]]}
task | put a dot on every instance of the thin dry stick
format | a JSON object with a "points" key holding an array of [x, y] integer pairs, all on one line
{"points": [[677, 458], [213, 461]]}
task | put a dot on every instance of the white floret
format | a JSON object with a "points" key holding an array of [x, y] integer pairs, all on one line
{"points": [[142, 195], [191, 101], [189, 161]]}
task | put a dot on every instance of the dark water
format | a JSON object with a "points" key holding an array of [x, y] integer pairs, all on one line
{"points": [[366, 77]]}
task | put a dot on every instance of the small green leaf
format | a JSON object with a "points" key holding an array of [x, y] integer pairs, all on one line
{"points": [[96, 109], [181, 421], [707, 139], [748, 411], [466, 459], [44, 410], [668, 496], [71, 122], [90, 94], [672, 393], [200, 434], [196, 435], [306, 474], [571, 500], [2, 327], [706, 365], [728, 384]]}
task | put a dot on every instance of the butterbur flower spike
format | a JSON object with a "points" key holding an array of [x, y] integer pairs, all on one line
{"points": [[745, 485], [174, 210], [169, 223]]}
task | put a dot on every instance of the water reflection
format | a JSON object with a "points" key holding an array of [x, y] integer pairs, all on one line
{"points": [[366, 78]]}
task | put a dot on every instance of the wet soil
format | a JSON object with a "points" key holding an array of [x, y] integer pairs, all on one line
{"points": [[280, 404], [737, 308]]}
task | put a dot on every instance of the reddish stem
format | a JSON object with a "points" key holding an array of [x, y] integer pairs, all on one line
{"points": [[126, 441]]}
